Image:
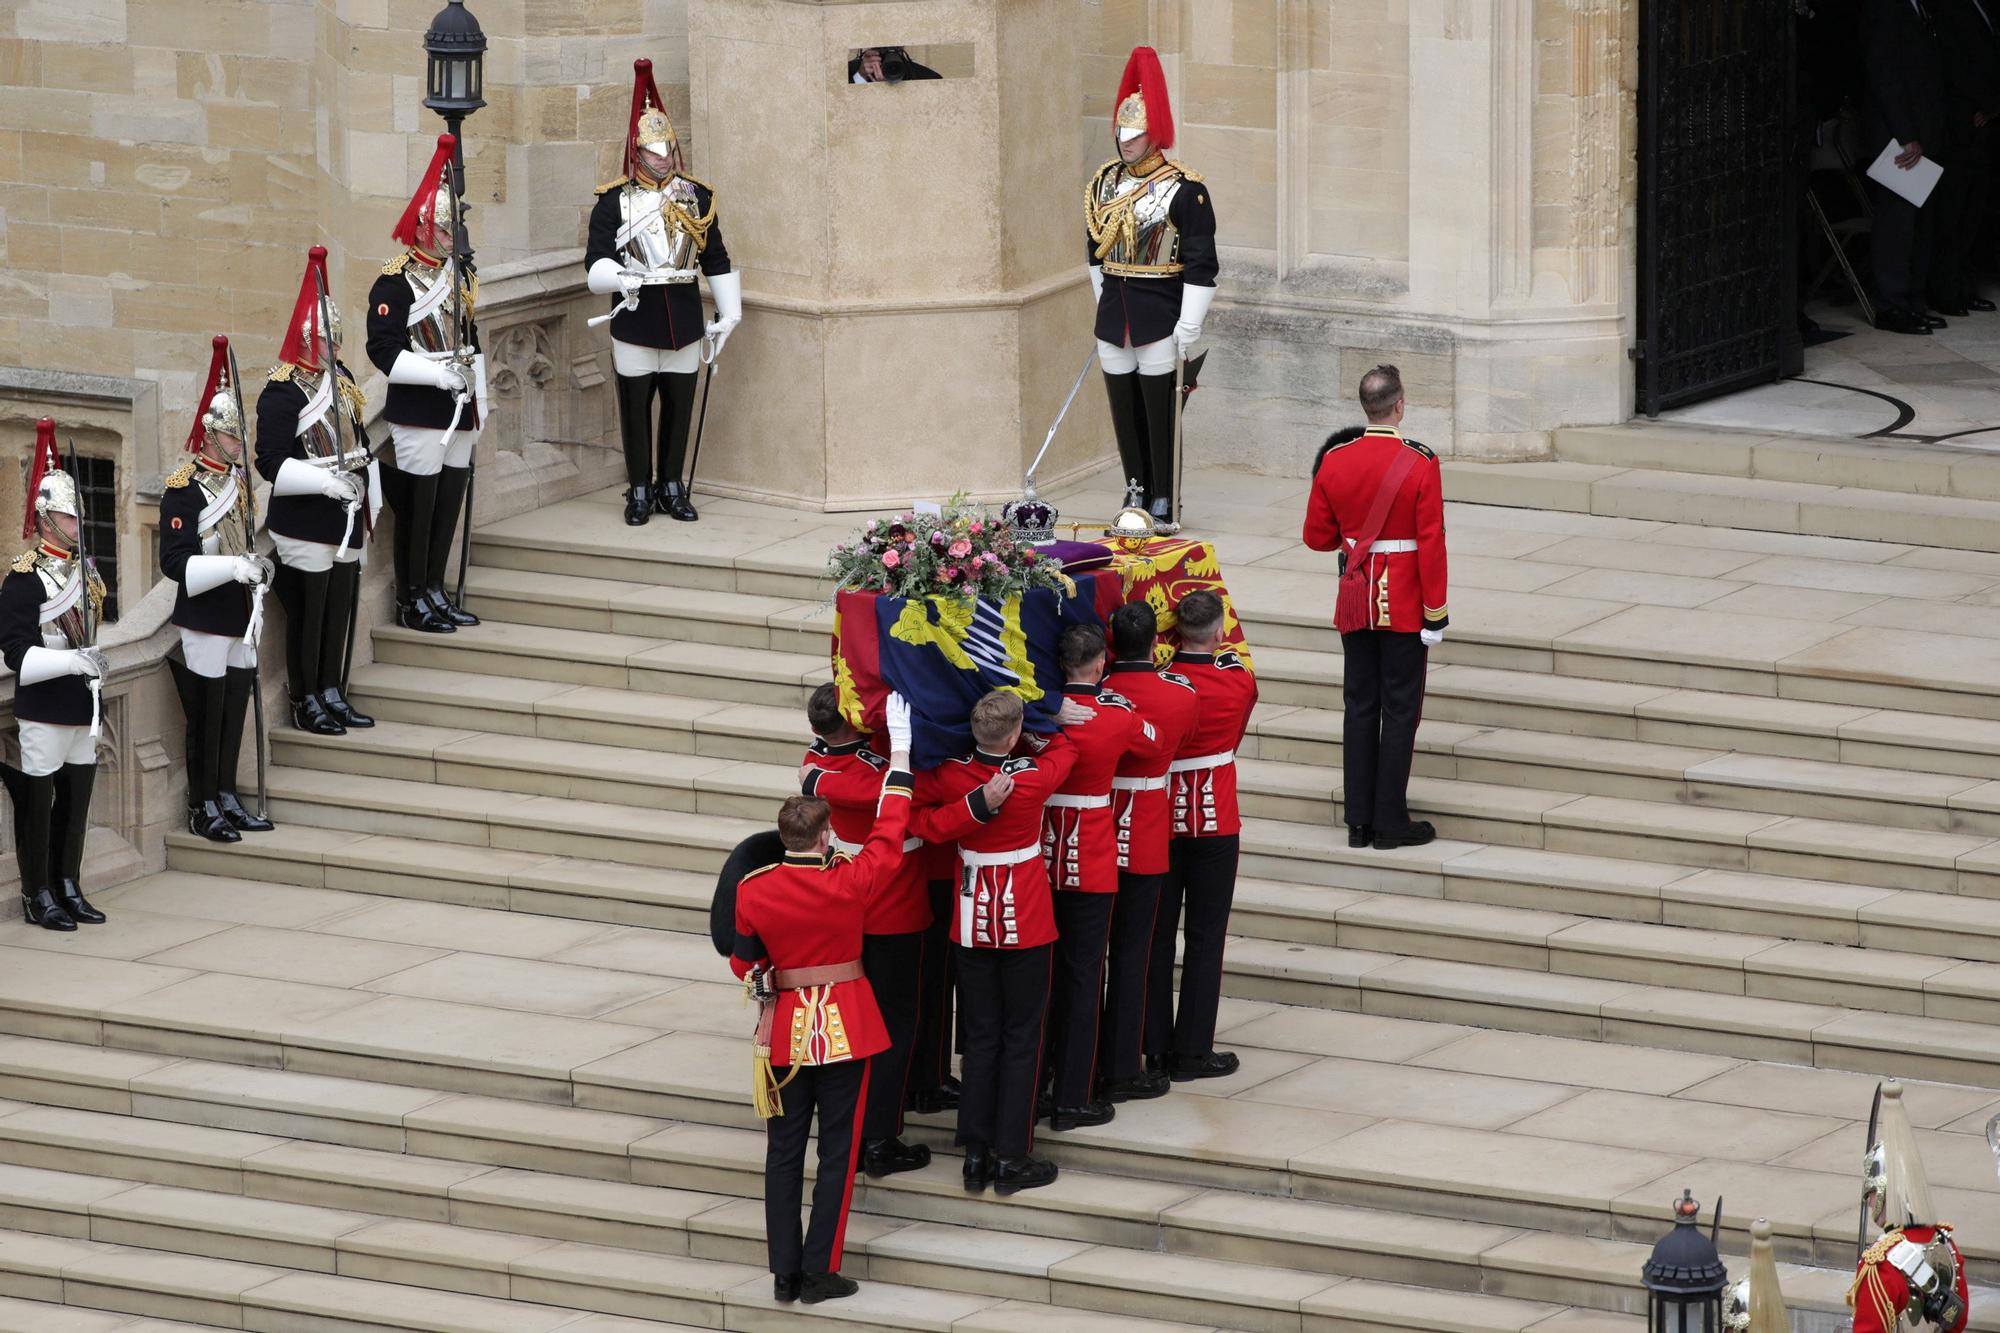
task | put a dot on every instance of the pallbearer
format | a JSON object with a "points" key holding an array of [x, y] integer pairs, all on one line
{"points": [[421, 335], [49, 607], [653, 232], [206, 548], [313, 451]]}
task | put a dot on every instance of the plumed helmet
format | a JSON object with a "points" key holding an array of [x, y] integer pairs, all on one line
{"points": [[1894, 1184]]}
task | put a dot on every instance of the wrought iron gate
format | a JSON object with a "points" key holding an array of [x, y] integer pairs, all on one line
{"points": [[1718, 201]]}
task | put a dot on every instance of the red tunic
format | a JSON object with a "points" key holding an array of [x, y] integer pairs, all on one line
{"points": [[1003, 887], [1880, 1291], [1079, 832], [1139, 792], [803, 913], [849, 779], [1201, 782], [1408, 581]]}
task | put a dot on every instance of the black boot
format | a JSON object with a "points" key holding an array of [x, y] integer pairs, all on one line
{"points": [[886, 1157], [677, 392], [1158, 391], [202, 702], [342, 598], [1014, 1174], [1128, 423], [34, 813], [978, 1169], [303, 596], [674, 503], [1081, 1117], [238, 682], [309, 714], [819, 1287], [635, 432], [451, 486], [413, 552], [70, 822]]}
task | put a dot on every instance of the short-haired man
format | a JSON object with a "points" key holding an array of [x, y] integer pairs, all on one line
{"points": [[1139, 808], [843, 771], [1201, 872], [798, 927], [1080, 841], [1379, 501], [1004, 930]]}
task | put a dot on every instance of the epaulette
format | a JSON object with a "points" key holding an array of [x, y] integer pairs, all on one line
{"points": [[1112, 699], [839, 859], [398, 264], [611, 185], [1022, 764], [1178, 679], [1228, 660], [1419, 446], [180, 476], [1188, 172], [24, 561], [282, 372], [870, 758], [752, 874]]}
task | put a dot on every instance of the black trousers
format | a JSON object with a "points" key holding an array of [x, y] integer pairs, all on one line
{"points": [[1901, 244], [833, 1093], [1201, 880], [1003, 996], [1383, 694], [894, 964], [930, 1058], [1959, 199], [1121, 1037], [1076, 997]]}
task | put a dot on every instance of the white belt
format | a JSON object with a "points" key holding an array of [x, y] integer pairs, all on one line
{"points": [[1013, 858], [846, 848], [1390, 547], [1140, 784], [1071, 802], [1202, 761]]}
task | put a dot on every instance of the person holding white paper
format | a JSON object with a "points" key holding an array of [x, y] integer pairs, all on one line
{"points": [[1904, 103]]}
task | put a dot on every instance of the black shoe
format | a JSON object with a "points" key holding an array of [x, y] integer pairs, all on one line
{"points": [[70, 894], [1011, 1175], [41, 909], [978, 1170], [1980, 304], [1216, 1064], [348, 715], [1082, 1117], [1141, 1088], [785, 1287], [886, 1157], [1159, 1064], [819, 1287], [1955, 309], [419, 614], [1415, 834], [1161, 508], [309, 714], [1935, 321], [934, 1101], [445, 609], [1360, 835], [638, 506], [673, 501], [206, 820], [239, 817], [1901, 321]]}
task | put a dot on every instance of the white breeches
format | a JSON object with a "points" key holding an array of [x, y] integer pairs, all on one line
{"points": [[211, 655], [632, 359], [418, 450], [317, 557], [1150, 359], [46, 747]]}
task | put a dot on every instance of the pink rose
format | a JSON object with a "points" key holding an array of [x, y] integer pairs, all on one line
{"points": [[960, 549], [950, 573], [999, 569], [978, 527], [891, 559], [1027, 557], [978, 560]]}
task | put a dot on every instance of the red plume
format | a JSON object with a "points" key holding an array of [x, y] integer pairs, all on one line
{"points": [[218, 370], [297, 349], [1143, 73], [46, 460], [645, 93], [416, 230]]}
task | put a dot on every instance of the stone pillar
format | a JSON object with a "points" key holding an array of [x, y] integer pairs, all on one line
{"points": [[915, 299]]}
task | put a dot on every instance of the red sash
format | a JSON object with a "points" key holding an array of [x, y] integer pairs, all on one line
{"points": [[1350, 606]]}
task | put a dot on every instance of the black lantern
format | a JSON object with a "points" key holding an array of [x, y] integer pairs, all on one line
{"points": [[456, 48], [1684, 1276]]}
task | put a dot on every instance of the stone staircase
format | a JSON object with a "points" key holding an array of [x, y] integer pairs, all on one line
{"points": [[450, 1051]]}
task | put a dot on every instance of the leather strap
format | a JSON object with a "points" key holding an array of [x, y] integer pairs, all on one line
{"points": [[804, 978], [1378, 512]]}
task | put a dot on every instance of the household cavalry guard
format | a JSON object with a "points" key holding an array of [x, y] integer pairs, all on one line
{"points": [[421, 335], [1913, 1271], [1150, 247], [311, 448], [654, 229], [50, 602], [206, 546]]}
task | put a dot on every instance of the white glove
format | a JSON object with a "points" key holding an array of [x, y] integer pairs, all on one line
{"points": [[298, 477], [606, 278], [1431, 637], [1194, 313], [205, 573], [45, 664], [727, 288], [629, 286], [343, 487], [897, 713], [1096, 272], [479, 383], [424, 372], [89, 662], [254, 569]]}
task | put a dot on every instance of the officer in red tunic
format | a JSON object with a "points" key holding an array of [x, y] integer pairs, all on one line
{"points": [[1378, 501], [841, 770], [1201, 872], [1139, 807], [1080, 843], [798, 943], [1004, 928], [1914, 1268]]}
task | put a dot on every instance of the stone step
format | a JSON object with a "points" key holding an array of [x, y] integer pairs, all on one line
{"points": [[1868, 465]]}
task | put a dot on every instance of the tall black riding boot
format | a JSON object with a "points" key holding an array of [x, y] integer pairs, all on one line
{"points": [[69, 825], [670, 486], [343, 597], [203, 707], [635, 431], [413, 552], [34, 812], [1158, 391], [1128, 423], [303, 596], [451, 486], [238, 682]]}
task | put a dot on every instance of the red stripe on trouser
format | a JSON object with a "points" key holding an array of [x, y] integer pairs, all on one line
{"points": [[847, 1187], [1041, 1044]]}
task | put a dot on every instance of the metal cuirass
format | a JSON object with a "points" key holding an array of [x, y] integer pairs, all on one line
{"points": [[653, 239], [65, 614], [430, 306], [225, 517], [1138, 217]]}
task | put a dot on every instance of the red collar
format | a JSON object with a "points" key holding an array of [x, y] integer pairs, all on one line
{"points": [[213, 464], [56, 552]]}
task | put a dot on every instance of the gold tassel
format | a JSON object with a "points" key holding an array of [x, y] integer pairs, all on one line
{"points": [[765, 1085]]}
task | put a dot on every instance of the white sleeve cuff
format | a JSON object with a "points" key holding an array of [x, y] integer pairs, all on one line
{"points": [[413, 369], [298, 477], [1194, 303], [1096, 272], [206, 573], [603, 278], [727, 288], [40, 664]]}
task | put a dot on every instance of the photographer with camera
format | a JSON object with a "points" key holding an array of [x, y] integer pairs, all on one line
{"points": [[887, 64]]}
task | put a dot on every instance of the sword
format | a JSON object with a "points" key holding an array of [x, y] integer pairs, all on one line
{"points": [[86, 605], [332, 371], [1028, 482], [253, 635], [701, 420], [1173, 523], [1874, 1123]]}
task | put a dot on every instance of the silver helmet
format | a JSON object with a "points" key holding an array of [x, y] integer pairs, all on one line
{"points": [[56, 494], [332, 325], [221, 416], [1894, 1185]]}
